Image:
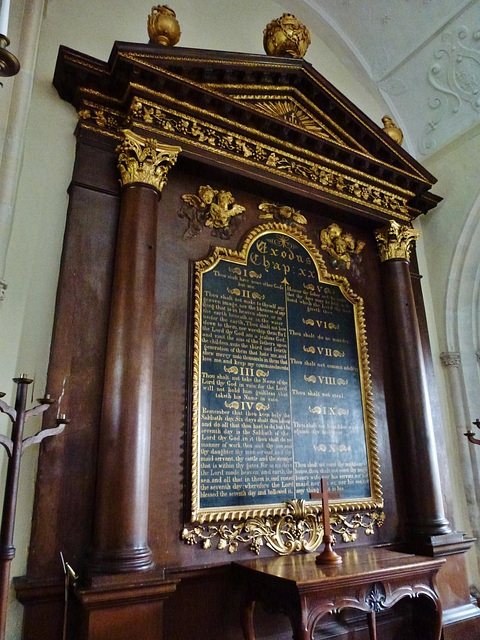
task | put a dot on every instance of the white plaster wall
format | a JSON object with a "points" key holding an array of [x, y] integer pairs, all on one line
{"points": [[26, 314], [451, 254], [455, 167]]}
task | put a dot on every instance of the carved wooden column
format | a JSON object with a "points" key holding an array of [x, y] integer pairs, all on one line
{"points": [[120, 541], [425, 515]]}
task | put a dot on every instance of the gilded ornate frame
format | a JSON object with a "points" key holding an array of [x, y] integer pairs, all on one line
{"points": [[375, 500]]}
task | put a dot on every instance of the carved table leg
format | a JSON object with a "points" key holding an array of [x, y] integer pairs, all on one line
{"points": [[247, 619], [301, 632], [438, 620], [301, 627], [372, 627]]}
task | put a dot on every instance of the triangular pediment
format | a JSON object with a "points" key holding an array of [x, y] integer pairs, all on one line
{"points": [[289, 109], [277, 115]]}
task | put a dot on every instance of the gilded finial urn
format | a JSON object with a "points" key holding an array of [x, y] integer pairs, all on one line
{"points": [[163, 27], [286, 36], [391, 129]]}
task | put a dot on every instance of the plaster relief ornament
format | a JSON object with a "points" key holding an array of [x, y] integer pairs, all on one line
{"points": [[457, 72], [281, 213], [212, 208], [455, 79], [391, 129], [163, 27], [342, 248], [286, 36]]}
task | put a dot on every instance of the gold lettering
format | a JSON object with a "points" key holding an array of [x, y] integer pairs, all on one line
{"points": [[262, 246]]}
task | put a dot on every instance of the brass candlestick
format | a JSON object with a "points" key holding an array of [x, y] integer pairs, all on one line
{"points": [[15, 448], [9, 65]]}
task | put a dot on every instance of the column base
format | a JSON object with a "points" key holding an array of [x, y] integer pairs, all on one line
{"points": [[124, 606], [461, 617], [121, 561], [452, 543], [436, 529], [465, 624]]}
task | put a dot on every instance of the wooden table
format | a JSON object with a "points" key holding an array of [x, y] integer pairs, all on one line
{"points": [[369, 579]]}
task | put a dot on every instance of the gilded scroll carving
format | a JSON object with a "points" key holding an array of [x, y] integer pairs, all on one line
{"points": [[300, 529], [283, 163], [225, 143], [105, 119]]}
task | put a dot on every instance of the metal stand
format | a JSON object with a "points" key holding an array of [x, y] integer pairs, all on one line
{"points": [[470, 435], [15, 448]]}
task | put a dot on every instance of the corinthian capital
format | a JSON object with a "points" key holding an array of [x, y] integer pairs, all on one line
{"points": [[395, 241], [450, 358], [145, 160], [3, 288]]}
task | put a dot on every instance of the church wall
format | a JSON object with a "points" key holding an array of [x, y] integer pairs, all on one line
{"points": [[445, 229], [26, 314], [458, 185]]}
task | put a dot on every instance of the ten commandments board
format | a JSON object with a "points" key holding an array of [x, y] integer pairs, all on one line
{"points": [[281, 391]]}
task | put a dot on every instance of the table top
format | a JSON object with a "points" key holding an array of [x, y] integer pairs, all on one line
{"points": [[359, 565]]}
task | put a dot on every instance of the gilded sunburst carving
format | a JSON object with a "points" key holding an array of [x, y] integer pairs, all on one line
{"points": [[293, 114]]}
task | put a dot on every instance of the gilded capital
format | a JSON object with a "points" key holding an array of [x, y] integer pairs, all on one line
{"points": [[145, 160], [395, 241]]}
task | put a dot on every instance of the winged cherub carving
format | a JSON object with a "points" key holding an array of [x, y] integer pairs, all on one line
{"points": [[281, 213], [214, 208]]}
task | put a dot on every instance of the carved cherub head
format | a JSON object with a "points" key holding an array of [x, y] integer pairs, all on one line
{"points": [[225, 198], [206, 194], [334, 231]]}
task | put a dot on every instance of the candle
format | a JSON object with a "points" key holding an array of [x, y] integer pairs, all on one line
{"points": [[4, 12]]}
